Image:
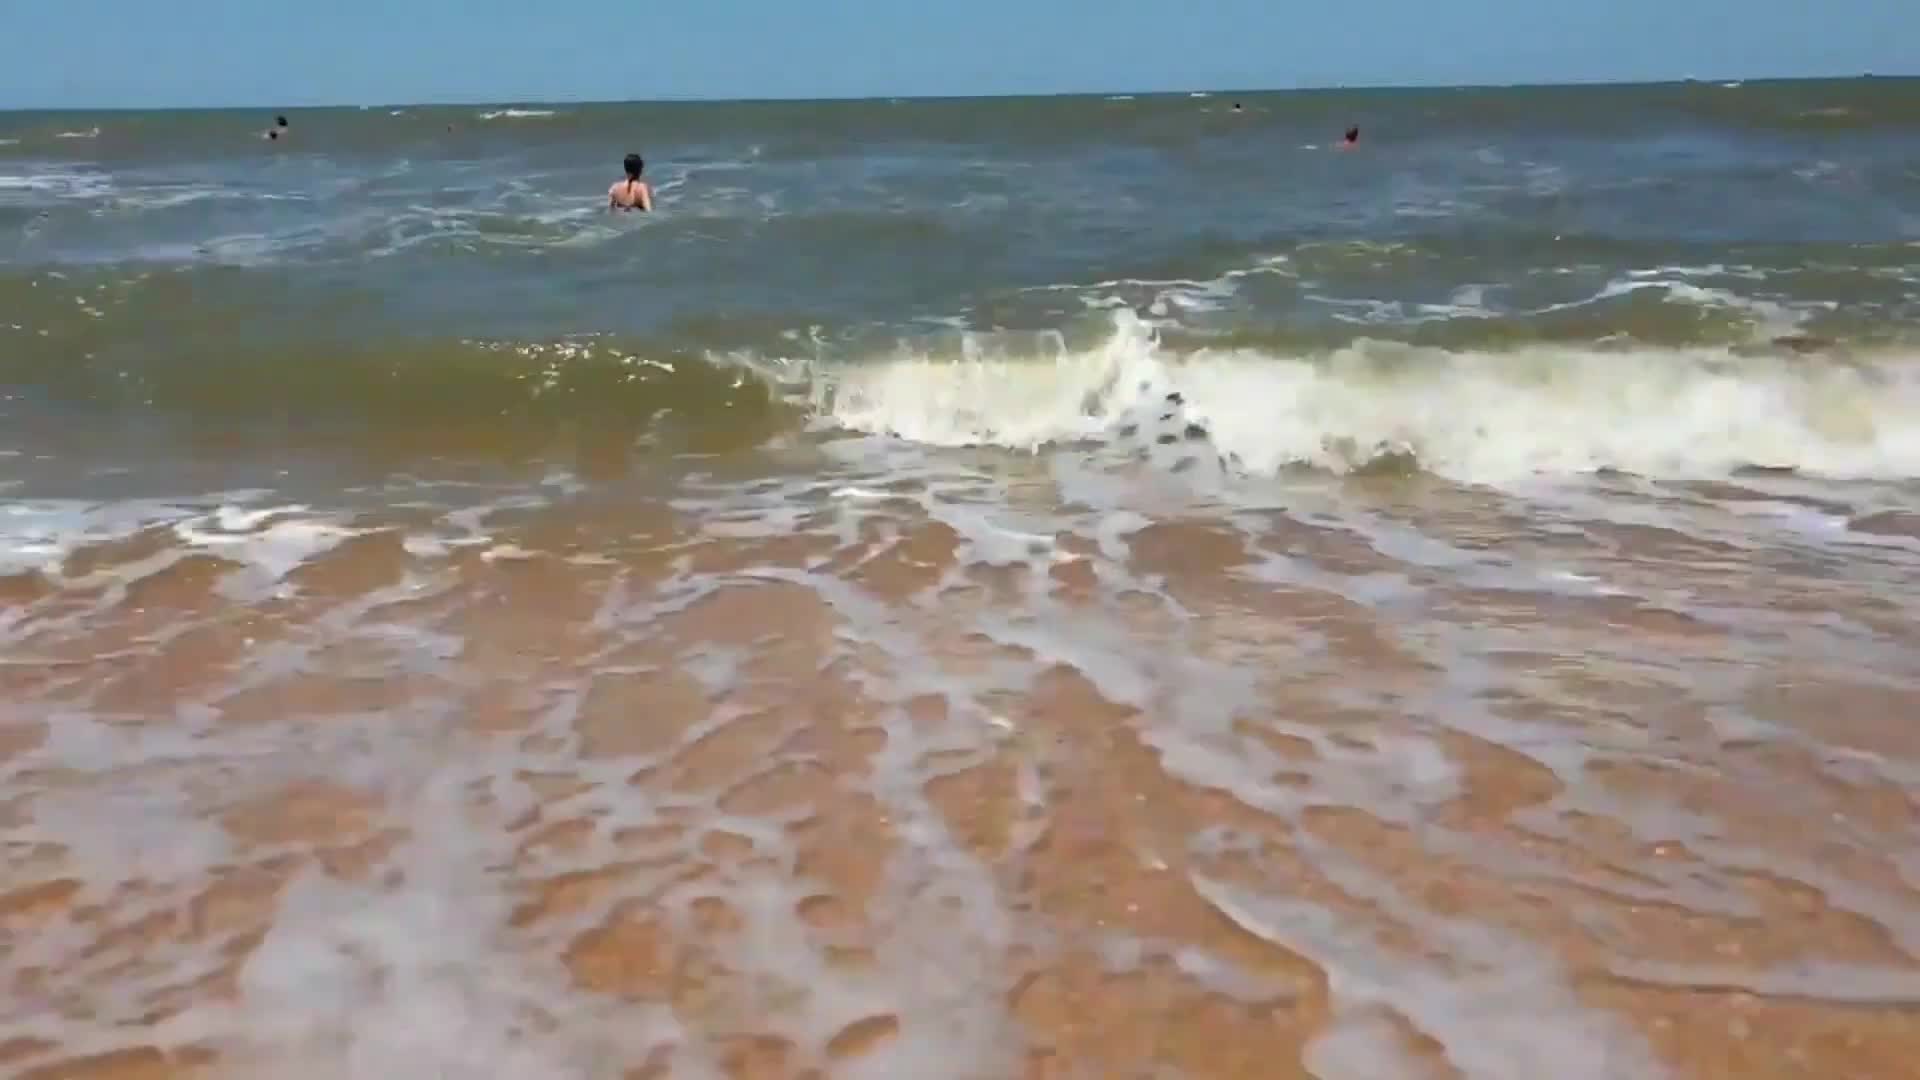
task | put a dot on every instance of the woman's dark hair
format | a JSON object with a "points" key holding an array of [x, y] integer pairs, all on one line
{"points": [[281, 120], [634, 164]]}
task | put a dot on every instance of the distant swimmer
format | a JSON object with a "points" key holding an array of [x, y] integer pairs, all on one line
{"points": [[278, 129], [1351, 140], [631, 193]]}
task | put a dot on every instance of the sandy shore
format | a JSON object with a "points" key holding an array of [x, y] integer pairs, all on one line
{"points": [[870, 788]]}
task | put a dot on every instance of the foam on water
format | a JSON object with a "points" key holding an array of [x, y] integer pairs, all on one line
{"points": [[1765, 320], [1156, 294], [942, 593], [1479, 417], [48, 186], [1509, 1020]]}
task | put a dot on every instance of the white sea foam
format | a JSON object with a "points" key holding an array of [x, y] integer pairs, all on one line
{"points": [[1767, 319], [1771, 318], [1512, 1018], [27, 188], [38, 535], [263, 544], [1164, 300], [420, 967], [1484, 417], [517, 114]]}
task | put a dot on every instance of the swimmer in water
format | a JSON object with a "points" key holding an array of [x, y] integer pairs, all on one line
{"points": [[1351, 140], [278, 129], [631, 193]]}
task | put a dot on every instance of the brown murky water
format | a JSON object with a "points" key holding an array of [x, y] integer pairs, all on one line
{"points": [[897, 765]]}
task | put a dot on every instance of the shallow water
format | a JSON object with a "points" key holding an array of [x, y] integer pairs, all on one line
{"points": [[1078, 588]]}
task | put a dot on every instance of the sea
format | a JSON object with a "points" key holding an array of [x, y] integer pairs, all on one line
{"points": [[1114, 587]]}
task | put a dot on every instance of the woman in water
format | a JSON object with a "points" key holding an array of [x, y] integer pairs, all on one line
{"points": [[631, 193]]}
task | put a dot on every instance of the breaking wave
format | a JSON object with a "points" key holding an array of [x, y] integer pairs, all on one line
{"points": [[1470, 416]]}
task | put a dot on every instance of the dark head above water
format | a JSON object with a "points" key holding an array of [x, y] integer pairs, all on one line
{"points": [[279, 121], [1353, 135], [634, 165]]}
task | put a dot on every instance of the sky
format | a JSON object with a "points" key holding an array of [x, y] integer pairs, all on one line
{"points": [[186, 53]]}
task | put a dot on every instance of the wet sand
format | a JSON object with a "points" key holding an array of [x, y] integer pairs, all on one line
{"points": [[869, 775]]}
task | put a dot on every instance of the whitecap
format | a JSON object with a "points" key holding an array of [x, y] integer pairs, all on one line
{"points": [[1474, 416]]}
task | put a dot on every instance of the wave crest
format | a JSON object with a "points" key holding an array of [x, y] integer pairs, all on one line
{"points": [[1473, 416]]}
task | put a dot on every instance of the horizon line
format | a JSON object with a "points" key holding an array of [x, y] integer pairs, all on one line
{"points": [[987, 96]]}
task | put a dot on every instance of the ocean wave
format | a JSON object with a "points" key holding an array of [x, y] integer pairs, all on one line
{"points": [[517, 114], [54, 185], [1754, 318], [1481, 413], [402, 386], [1472, 416]]}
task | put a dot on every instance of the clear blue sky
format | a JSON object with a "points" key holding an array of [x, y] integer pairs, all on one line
{"points": [[150, 53]]}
